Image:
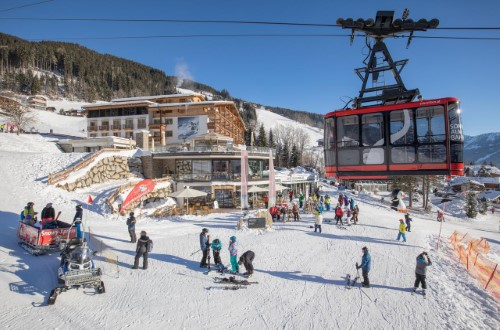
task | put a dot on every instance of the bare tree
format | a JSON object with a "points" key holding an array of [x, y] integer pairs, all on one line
{"points": [[20, 115]]}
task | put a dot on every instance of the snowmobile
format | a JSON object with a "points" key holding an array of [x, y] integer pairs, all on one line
{"points": [[77, 269]]}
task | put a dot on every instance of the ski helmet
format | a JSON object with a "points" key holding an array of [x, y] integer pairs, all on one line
{"points": [[233, 238], [131, 214]]}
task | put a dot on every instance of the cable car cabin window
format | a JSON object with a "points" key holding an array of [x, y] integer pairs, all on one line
{"points": [[403, 155], [329, 141], [373, 130], [348, 131], [432, 153], [430, 125], [348, 157], [456, 135], [402, 127]]}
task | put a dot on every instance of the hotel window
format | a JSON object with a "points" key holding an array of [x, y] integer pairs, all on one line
{"points": [[169, 121], [169, 134]]}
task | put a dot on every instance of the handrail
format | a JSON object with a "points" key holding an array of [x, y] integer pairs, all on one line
{"points": [[61, 175]]}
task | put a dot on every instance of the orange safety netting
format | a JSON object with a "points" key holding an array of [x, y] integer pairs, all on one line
{"points": [[469, 253]]}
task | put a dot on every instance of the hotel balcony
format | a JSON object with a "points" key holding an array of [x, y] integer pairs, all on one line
{"points": [[156, 126], [141, 126], [116, 127], [104, 128], [128, 127], [91, 128]]}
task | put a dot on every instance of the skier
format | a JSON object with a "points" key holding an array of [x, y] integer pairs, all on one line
{"points": [[301, 200], [283, 212], [295, 212], [216, 247], [204, 247], [274, 212], [247, 259], [341, 199], [77, 221], [328, 201], [348, 214], [290, 195], [408, 221], [319, 222], [402, 230], [423, 261], [355, 213], [266, 201], [48, 215], [144, 245], [339, 213], [352, 203], [131, 227], [233, 252], [366, 263], [346, 201]]}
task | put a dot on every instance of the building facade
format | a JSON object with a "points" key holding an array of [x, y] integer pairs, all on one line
{"points": [[170, 119]]}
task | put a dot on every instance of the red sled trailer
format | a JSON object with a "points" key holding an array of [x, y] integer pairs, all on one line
{"points": [[41, 241]]}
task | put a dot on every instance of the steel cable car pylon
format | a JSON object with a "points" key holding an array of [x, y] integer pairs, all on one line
{"points": [[382, 27]]}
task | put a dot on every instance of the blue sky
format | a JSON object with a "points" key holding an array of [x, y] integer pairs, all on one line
{"points": [[309, 74]]}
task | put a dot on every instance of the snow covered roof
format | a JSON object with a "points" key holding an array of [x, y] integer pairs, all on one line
{"points": [[92, 105], [157, 105], [459, 180], [490, 195], [487, 168], [144, 98]]}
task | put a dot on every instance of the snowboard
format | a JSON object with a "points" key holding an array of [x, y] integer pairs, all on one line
{"points": [[233, 281]]}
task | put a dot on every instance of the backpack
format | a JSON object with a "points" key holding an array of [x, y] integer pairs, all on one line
{"points": [[22, 215], [149, 246]]}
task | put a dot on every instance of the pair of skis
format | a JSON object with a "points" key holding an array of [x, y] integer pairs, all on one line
{"points": [[351, 282], [413, 292]]}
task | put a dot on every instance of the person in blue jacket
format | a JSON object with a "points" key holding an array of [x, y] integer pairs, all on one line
{"points": [[77, 221], [366, 263], [216, 247]]}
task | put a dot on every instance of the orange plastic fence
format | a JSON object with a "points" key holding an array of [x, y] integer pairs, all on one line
{"points": [[470, 254]]}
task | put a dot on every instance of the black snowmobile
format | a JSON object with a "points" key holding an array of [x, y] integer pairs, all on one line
{"points": [[77, 269]]}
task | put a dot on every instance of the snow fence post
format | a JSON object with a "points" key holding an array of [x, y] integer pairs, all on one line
{"points": [[491, 277]]}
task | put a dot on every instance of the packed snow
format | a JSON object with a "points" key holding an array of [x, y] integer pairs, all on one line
{"points": [[301, 275]]}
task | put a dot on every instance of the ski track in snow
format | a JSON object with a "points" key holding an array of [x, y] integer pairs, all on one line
{"points": [[301, 274]]}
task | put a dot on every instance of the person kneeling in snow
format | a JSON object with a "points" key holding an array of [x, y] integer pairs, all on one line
{"points": [[423, 261], [366, 263], [247, 259], [216, 247]]}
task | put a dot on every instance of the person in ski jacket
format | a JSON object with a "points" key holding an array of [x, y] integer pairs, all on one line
{"points": [[233, 253], [246, 259], [290, 195], [48, 215], [346, 201], [216, 247], [423, 261], [366, 264], [29, 209], [77, 221], [283, 212], [328, 201], [204, 247], [402, 230], [143, 246], [274, 212], [408, 221], [266, 201], [351, 204], [341, 199], [348, 214], [295, 212], [355, 213], [339, 213], [131, 227], [318, 222], [301, 200]]}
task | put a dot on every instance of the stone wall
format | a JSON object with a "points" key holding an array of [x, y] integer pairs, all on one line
{"points": [[110, 168]]}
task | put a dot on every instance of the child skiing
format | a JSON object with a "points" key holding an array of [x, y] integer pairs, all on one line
{"points": [[402, 230], [233, 252], [216, 247], [423, 261]]}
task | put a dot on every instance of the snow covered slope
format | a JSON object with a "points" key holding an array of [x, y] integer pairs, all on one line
{"points": [[300, 274], [272, 120]]}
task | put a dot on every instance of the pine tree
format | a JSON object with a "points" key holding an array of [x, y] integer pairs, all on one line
{"points": [[271, 143], [471, 206], [285, 156], [294, 157], [483, 205], [262, 139]]}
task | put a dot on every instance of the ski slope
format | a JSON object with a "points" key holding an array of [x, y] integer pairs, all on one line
{"points": [[301, 274]]}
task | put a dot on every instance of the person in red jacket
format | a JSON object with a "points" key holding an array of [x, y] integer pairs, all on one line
{"points": [[339, 213], [290, 194], [266, 201], [274, 212]]}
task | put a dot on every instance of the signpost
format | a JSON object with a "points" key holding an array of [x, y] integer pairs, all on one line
{"points": [[257, 223]]}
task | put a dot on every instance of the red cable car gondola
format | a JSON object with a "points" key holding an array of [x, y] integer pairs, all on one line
{"points": [[395, 136]]}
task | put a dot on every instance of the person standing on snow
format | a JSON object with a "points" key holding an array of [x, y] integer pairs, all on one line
{"points": [[319, 220], [402, 230], [355, 213], [246, 259], [301, 200], [266, 201], [290, 195], [408, 221], [204, 247], [295, 212], [216, 247], [77, 221], [366, 264], [143, 247], [233, 252], [328, 201], [423, 261], [131, 227], [351, 204], [339, 213]]}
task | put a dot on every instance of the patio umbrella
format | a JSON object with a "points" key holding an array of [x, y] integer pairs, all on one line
{"points": [[188, 193]]}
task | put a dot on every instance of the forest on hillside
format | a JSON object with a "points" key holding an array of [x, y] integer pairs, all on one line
{"points": [[61, 69]]}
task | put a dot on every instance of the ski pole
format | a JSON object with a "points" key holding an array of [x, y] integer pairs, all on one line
{"points": [[192, 254]]}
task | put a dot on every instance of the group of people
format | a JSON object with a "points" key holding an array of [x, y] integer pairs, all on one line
{"points": [[49, 218], [7, 128], [144, 243], [284, 213], [245, 259]]}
